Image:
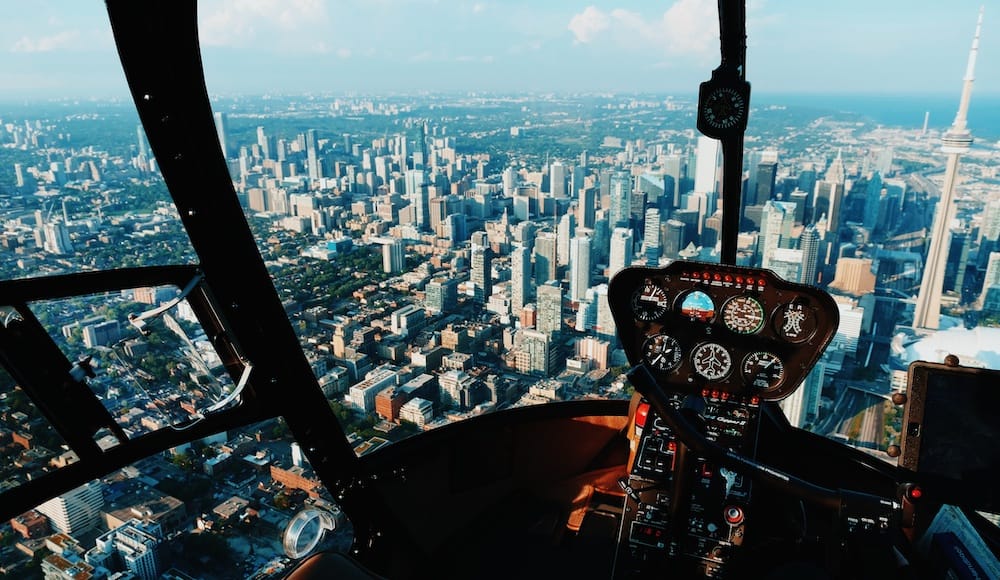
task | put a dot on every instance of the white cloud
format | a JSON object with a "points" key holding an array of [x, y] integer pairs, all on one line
{"points": [[45, 43], [587, 24], [478, 7], [289, 24], [687, 27]]}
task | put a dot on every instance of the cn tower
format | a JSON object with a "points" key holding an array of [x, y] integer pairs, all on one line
{"points": [[955, 141]]}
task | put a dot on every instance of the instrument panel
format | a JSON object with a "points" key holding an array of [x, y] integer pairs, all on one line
{"points": [[731, 329], [719, 340]]}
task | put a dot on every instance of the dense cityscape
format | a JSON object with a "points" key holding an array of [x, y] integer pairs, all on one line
{"points": [[444, 256]]}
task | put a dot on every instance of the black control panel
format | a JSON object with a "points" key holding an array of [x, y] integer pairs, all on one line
{"points": [[720, 341]]}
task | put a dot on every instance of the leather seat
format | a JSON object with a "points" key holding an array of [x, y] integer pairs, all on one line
{"points": [[331, 565]]}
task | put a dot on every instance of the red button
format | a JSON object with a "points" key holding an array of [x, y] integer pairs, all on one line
{"points": [[640, 415], [734, 515]]}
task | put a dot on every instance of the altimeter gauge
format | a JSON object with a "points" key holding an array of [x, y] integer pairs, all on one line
{"points": [[662, 352], [712, 361], [743, 314], [649, 302], [763, 370]]}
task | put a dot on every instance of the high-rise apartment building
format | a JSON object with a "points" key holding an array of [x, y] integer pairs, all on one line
{"points": [[549, 311], [131, 547], [393, 255], [76, 511]]}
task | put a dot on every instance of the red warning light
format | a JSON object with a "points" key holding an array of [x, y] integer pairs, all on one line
{"points": [[641, 412], [728, 278], [750, 281], [762, 282], [717, 277], [739, 279]]}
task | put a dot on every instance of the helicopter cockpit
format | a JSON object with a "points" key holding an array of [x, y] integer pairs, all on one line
{"points": [[370, 350]]}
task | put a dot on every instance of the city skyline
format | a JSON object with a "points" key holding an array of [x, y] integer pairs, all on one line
{"points": [[62, 49]]}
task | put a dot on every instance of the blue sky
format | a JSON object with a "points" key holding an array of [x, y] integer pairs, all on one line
{"points": [[55, 48]]}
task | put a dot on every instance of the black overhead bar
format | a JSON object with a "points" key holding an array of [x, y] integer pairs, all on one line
{"points": [[723, 109]]}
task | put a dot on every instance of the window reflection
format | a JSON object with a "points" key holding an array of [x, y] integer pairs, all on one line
{"points": [[214, 509]]}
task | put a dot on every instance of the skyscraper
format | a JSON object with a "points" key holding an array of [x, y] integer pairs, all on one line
{"points": [[775, 229], [809, 244], [620, 194], [222, 130], [312, 155], [557, 179], [482, 273], [549, 307], [992, 277], [579, 267], [651, 238], [622, 242], [586, 206], [393, 255], [707, 164], [415, 183], [520, 277], [546, 267], [567, 228], [767, 176], [955, 141]]}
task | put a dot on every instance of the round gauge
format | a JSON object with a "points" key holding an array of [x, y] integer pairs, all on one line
{"points": [[698, 306], [712, 361], [795, 322], [649, 302], [763, 370], [743, 314], [662, 352], [724, 108]]}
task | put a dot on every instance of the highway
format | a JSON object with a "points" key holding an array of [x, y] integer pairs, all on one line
{"points": [[859, 415]]}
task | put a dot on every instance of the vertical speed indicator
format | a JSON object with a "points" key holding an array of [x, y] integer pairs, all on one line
{"points": [[649, 302]]}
